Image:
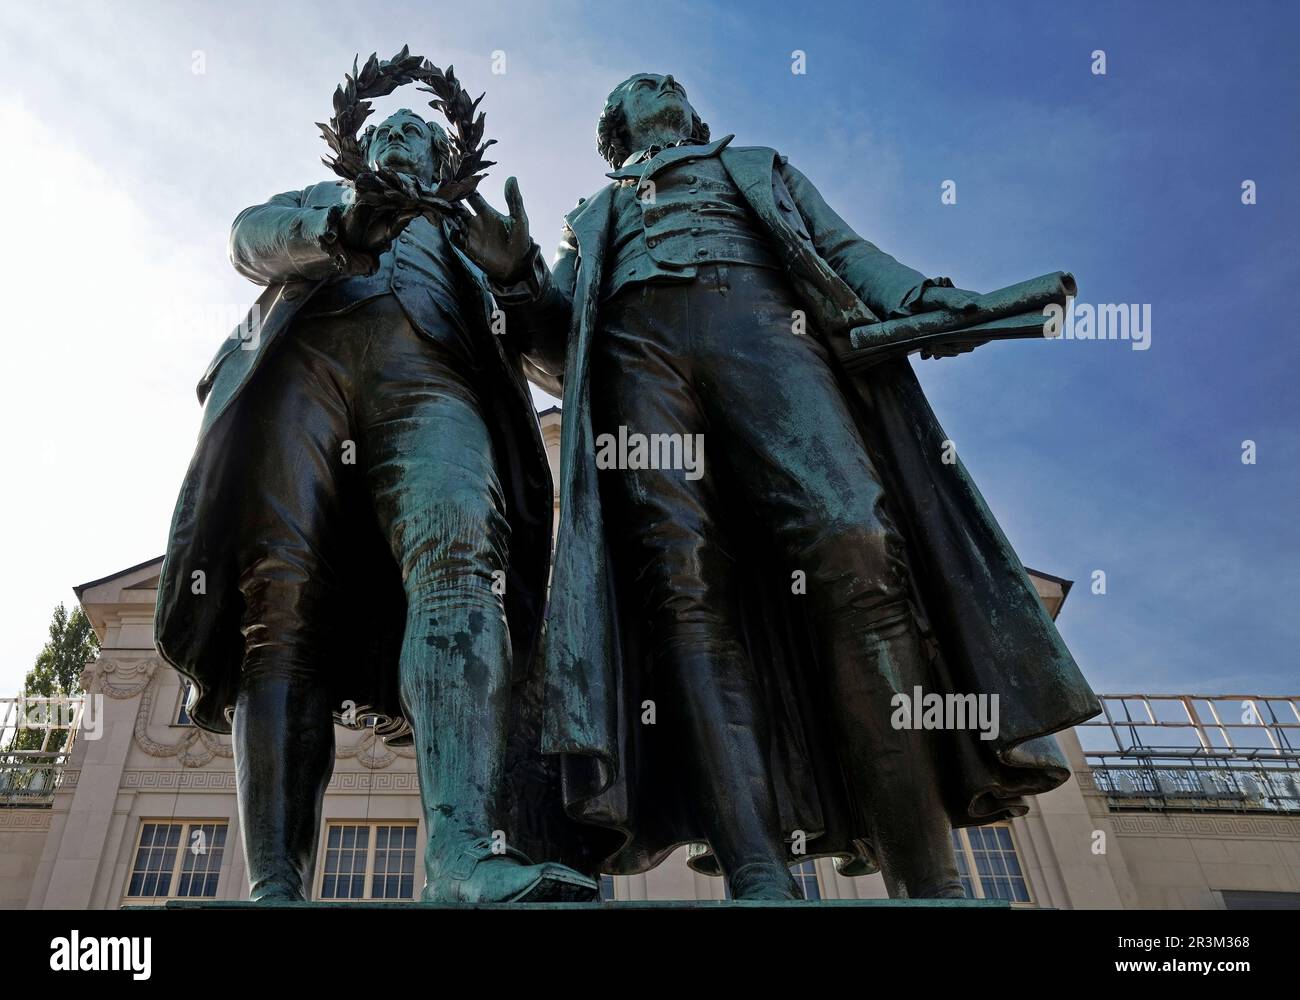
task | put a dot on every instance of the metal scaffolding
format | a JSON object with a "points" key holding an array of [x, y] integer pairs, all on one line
{"points": [[1217, 753], [37, 735]]}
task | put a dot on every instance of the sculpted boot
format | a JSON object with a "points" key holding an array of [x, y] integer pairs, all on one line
{"points": [[456, 695], [284, 755], [894, 769], [714, 693], [763, 880], [475, 874]]}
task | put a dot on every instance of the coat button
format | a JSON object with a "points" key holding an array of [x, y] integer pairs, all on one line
{"points": [[401, 263], [291, 294], [404, 239], [652, 242]]}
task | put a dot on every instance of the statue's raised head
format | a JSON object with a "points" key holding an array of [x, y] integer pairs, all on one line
{"points": [[646, 108], [408, 144]]}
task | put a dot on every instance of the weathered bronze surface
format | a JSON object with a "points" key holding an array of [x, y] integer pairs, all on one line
{"points": [[363, 535], [695, 692], [364, 532]]}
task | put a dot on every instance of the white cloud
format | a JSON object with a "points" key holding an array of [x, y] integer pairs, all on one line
{"points": [[96, 403]]}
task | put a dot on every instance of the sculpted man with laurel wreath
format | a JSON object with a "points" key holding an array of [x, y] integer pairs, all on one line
{"points": [[364, 531]]}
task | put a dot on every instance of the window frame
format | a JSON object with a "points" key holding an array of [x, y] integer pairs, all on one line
{"points": [[181, 710], [368, 873], [966, 851], [804, 870], [177, 869]]}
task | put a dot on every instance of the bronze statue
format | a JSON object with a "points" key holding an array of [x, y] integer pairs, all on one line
{"points": [[727, 645], [364, 530]]}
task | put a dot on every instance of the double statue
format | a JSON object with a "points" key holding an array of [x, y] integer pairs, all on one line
{"points": [[717, 651]]}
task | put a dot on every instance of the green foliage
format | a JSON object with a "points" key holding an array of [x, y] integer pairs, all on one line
{"points": [[57, 672]]}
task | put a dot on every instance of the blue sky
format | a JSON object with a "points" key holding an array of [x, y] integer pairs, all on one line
{"points": [[125, 167]]}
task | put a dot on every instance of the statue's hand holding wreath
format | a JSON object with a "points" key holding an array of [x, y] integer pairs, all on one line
{"points": [[385, 201]]}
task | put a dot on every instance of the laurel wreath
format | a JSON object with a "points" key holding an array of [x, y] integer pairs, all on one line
{"points": [[463, 166]]}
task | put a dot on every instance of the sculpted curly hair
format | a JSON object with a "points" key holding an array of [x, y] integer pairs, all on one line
{"points": [[611, 130]]}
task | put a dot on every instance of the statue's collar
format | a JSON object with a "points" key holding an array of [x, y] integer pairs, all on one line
{"points": [[650, 152], [644, 162]]}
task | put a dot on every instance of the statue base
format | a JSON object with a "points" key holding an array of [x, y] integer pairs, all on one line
{"points": [[630, 904]]}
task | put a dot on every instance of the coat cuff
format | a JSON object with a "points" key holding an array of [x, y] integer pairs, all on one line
{"points": [[317, 249], [528, 285]]}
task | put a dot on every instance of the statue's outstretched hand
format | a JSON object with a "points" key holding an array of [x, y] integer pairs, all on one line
{"points": [[500, 244]]}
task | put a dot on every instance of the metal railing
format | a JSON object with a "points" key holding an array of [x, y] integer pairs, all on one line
{"points": [[30, 779], [1220, 753], [36, 739]]}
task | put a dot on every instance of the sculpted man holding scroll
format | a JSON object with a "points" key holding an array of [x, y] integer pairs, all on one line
{"points": [[726, 653]]}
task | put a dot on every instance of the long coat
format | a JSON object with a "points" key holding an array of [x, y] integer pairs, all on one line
{"points": [[278, 245], [990, 631]]}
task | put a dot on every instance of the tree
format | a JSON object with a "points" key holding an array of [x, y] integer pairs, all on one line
{"points": [[57, 671]]}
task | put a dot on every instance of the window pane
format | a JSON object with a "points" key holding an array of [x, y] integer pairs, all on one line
{"points": [[344, 871], [998, 869], [183, 716], [205, 849], [151, 872], [806, 875], [394, 854]]}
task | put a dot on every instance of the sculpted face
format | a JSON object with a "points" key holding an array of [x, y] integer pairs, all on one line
{"points": [[655, 107], [404, 142]]}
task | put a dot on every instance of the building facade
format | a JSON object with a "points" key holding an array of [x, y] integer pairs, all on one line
{"points": [[1176, 801]]}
